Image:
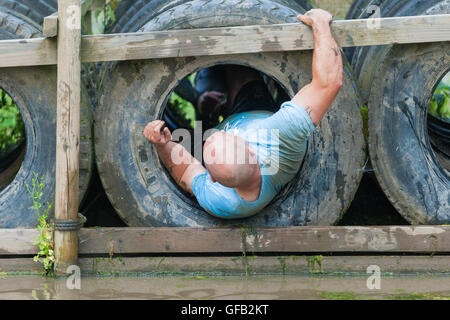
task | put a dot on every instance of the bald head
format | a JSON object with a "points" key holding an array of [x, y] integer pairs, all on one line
{"points": [[229, 159]]}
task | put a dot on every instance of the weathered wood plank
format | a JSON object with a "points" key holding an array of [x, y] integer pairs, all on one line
{"points": [[285, 37], [432, 239], [293, 264], [50, 26], [67, 130], [17, 241], [27, 52], [231, 40], [263, 264], [266, 265], [290, 239]]}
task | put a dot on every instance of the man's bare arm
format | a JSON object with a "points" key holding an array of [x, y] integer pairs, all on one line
{"points": [[327, 70], [182, 166]]}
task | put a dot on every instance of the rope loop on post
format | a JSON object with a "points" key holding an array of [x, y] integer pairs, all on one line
{"points": [[69, 225]]}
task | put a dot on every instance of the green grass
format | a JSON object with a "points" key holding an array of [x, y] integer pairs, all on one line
{"points": [[350, 295], [44, 240], [416, 296], [344, 295]]}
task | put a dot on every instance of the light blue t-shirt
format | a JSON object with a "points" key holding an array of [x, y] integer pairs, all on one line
{"points": [[279, 140]]}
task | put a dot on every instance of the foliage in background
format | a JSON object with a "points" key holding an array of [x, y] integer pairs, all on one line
{"points": [[44, 240], [191, 78], [98, 15], [183, 110], [440, 102], [12, 129], [365, 117]]}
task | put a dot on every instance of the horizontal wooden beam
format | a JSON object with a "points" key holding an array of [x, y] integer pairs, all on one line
{"points": [[238, 265], [289, 239], [28, 52], [229, 40], [388, 239], [248, 39]]}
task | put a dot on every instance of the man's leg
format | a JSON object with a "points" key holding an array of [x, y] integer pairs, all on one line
{"points": [[211, 85], [211, 79], [238, 76], [247, 90]]}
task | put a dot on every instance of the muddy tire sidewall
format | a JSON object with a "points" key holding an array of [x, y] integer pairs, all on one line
{"points": [[33, 89], [404, 161]]}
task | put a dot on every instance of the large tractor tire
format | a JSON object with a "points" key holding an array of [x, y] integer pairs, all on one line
{"points": [[138, 185], [397, 82], [131, 15], [406, 166], [31, 11], [357, 8], [33, 89], [366, 60]]}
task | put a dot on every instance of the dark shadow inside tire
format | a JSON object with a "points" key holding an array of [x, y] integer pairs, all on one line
{"points": [[370, 207]]}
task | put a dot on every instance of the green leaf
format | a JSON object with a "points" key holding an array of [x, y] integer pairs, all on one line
{"points": [[444, 111], [433, 109], [8, 100]]}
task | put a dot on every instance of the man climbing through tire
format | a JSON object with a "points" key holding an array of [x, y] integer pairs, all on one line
{"points": [[245, 170]]}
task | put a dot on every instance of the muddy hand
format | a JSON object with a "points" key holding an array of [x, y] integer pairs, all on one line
{"points": [[157, 133], [315, 16]]}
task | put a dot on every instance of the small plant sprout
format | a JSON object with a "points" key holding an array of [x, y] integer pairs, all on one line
{"points": [[44, 240]]}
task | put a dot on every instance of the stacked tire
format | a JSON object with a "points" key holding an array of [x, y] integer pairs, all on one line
{"points": [[132, 14], [30, 11], [33, 89], [135, 92], [397, 82]]}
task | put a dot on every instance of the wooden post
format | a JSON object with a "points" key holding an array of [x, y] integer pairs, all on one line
{"points": [[67, 130]]}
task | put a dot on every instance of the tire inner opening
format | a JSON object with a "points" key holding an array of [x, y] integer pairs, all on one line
{"points": [[183, 110], [12, 139], [438, 122]]}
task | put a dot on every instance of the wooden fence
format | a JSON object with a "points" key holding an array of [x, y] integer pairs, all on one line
{"points": [[66, 47]]}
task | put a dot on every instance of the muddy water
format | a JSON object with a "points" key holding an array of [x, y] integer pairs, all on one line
{"points": [[232, 287]]}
